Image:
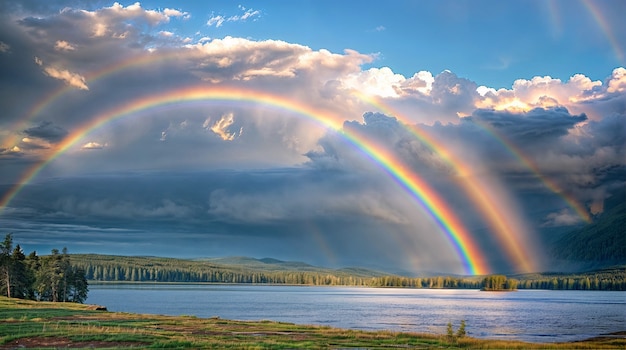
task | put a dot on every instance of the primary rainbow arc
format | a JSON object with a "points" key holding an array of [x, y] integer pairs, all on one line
{"points": [[460, 239]]}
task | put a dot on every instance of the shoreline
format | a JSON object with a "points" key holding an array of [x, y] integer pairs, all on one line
{"points": [[26, 323]]}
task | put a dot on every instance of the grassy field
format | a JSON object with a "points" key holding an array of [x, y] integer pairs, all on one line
{"points": [[29, 324]]}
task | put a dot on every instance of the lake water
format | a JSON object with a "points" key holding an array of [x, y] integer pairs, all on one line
{"points": [[528, 315]]}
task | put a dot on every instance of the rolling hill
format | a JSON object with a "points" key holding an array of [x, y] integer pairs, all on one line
{"points": [[599, 244]]}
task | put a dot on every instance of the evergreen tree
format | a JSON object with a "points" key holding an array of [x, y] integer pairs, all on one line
{"points": [[20, 280], [51, 278], [6, 263]]}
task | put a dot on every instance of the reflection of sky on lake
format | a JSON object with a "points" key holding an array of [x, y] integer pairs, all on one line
{"points": [[539, 316]]}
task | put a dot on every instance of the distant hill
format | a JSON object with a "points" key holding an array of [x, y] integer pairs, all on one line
{"points": [[265, 264], [599, 244], [275, 265]]}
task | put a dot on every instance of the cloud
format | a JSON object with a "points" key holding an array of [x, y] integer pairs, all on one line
{"points": [[176, 13], [562, 218], [383, 82], [15, 150], [4, 47], [93, 145], [62, 45], [72, 79], [536, 125], [120, 208], [218, 20], [28, 143], [617, 82], [241, 59], [47, 131], [221, 126]]}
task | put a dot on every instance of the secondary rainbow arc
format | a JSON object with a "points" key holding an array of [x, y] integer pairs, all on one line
{"points": [[572, 202]]}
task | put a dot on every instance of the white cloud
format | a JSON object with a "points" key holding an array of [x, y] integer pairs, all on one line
{"points": [[221, 126], [73, 79], [176, 13], [114, 21], [544, 92], [94, 145], [617, 82], [383, 82], [218, 20], [562, 218], [375, 81], [248, 14], [62, 45], [242, 59]]}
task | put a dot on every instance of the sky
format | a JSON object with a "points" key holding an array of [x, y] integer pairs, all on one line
{"points": [[415, 137]]}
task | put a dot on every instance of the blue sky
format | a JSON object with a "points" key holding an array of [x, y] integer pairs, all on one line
{"points": [[522, 101], [491, 42]]}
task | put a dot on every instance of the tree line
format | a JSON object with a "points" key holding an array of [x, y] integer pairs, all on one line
{"points": [[499, 283], [46, 278], [151, 269]]}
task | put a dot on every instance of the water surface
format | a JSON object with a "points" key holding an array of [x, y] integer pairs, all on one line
{"points": [[528, 315]]}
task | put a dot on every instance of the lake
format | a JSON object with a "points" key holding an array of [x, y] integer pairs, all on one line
{"points": [[528, 315]]}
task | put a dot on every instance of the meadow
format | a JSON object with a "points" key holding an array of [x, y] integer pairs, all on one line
{"points": [[31, 324]]}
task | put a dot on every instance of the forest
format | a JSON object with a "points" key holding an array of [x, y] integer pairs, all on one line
{"points": [[153, 269], [47, 278]]}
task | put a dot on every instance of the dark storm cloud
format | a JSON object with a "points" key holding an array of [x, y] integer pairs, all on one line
{"points": [[282, 213], [535, 126], [48, 131]]}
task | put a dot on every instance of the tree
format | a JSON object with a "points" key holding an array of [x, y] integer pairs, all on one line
{"points": [[65, 271], [6, 263], [450, 332], [77, 285], [498, 282], [460, 333], [21, 280], [33, 265], [51, 278]]}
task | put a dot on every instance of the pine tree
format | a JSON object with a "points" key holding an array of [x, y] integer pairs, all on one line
{"points": [[20, 280], [6, 263], [460, 333]]}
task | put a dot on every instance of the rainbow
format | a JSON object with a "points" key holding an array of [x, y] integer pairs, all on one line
{"points": [[500, 222], [428, 199], [572, 202], [605, 27]]}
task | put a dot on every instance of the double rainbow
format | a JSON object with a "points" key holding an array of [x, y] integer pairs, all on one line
{"points": [[500, 221]]}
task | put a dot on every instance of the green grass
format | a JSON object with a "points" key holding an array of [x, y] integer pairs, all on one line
{"points": [[58, 325]]}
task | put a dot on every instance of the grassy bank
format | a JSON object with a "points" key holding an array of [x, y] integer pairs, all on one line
{"points": [[60, 325]]}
